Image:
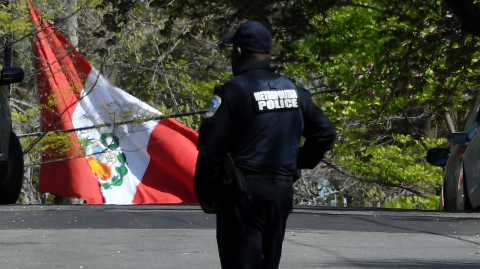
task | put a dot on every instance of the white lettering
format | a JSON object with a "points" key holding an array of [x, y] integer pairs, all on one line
{"points": [[276, 99], [279, 104], [271, 95], [294, 102], [294, 94], [288, 103], [261, 105], [270, 104], [265, 96]]}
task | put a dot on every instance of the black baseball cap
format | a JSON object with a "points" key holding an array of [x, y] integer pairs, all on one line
{"points": [[251, 35]]}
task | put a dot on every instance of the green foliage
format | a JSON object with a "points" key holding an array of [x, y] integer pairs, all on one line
{"points": [[30, 116], [400, 63], [59, 143], [11, 21], [84, 143], [432, 202], [399, 162]]}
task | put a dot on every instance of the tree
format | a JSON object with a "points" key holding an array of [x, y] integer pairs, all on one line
{"points": [[400, 64]]}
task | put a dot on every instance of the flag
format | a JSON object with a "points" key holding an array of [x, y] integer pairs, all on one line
{"points": [[142, 162]]}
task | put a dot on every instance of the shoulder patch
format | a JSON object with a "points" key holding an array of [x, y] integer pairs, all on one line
{"points": [[214, 104]]}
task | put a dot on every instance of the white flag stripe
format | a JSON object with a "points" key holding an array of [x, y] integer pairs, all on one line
{"points": [[104, 103]]}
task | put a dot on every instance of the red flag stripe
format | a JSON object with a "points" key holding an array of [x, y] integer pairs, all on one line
{"points": [[161, 169], [62, 72], [167, 171]]}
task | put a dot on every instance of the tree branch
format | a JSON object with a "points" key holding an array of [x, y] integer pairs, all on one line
{"points": [[177, 115], [379, 182]]}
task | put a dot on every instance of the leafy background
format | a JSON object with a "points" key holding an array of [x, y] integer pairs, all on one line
{"points": [[384, 71]]}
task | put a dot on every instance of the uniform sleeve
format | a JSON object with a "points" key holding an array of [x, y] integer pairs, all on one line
{"points": [[319, 133], [213, 135]]}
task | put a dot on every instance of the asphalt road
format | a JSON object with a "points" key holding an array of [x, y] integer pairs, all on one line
{"points": [[182, 236]]}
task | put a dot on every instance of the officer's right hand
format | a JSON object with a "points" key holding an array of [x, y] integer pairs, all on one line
{"points": [[209, 207]]}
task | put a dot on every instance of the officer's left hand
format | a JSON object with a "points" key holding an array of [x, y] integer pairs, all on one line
{"points": [[209, 207]]}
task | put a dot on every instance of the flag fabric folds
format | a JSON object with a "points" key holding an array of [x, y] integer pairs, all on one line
{"points": [[141, 162]]}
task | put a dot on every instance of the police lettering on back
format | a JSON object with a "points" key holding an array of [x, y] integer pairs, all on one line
{"points": [[276, 100]]}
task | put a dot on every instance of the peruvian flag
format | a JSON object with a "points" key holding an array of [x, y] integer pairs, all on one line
{"points": [[115, 163]]}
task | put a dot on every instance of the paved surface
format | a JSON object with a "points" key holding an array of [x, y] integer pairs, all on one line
{"points": [[182, 236]]}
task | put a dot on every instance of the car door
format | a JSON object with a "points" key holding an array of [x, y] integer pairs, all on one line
{"points": [[471, 159], [471, 168]]}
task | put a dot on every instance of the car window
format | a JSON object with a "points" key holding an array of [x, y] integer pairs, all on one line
{"points": [[473, 114]]}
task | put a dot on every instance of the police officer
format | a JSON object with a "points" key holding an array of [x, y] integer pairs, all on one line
{"points": [[258, 118]]}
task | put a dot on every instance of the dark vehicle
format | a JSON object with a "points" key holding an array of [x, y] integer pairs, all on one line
{"points": [[461, 179], [11, 156]]}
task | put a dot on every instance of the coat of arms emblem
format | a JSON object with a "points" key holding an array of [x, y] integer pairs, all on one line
{"points": [[106, 160]]}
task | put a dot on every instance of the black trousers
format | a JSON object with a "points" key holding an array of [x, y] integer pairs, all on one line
{"points": [[250, 230]]}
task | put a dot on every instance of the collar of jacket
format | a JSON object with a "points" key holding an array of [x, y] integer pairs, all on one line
{"points": [[255, 65]]}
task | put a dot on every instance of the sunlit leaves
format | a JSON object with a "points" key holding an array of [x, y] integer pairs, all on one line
{"points": [[413, 202], [400, 63], [12, 20]]}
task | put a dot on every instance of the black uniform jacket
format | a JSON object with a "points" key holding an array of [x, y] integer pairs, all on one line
{"points": [[259, 117]]}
